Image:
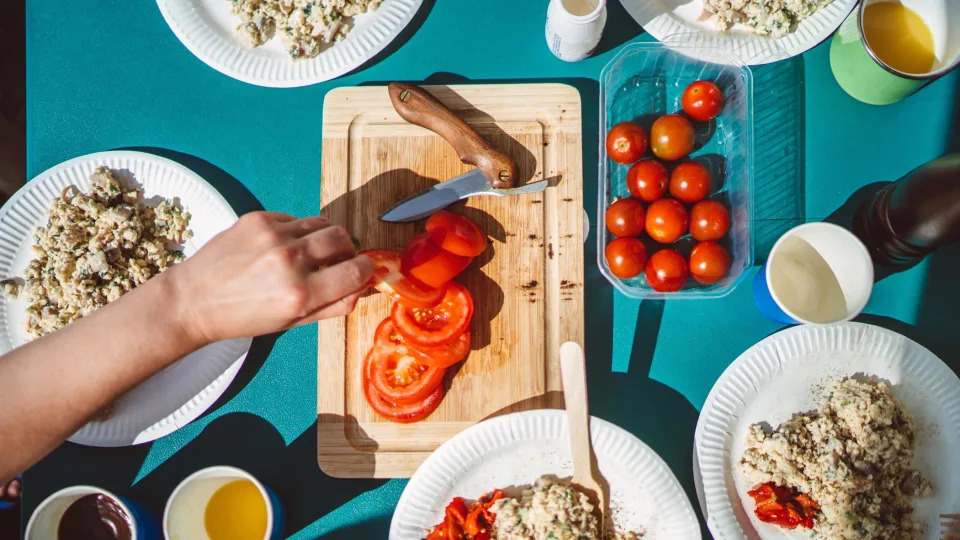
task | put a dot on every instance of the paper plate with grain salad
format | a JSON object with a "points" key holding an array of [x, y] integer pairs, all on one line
{"points": [[755, 31], [286, 43], [86, 232], [838, 431], [517, 467]]}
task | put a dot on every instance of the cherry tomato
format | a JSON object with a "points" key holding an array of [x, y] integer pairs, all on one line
{"points": [[702, 101], [442, 356], [709, 220], [666, 220], [456, 234], [709, 262], [666, 271], [404, 414], [430, 264], [690, 182], [388, 279], [671, 137], [400, 374], [647, 180], [443, 323], [625, 257], [625, 217], [626, 142]]}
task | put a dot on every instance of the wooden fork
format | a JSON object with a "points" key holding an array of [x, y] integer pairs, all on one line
{"points": [[949, 526]]}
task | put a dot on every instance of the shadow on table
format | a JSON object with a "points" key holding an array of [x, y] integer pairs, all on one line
{"points": [[402, 38], [234, 191], [654, 412], [251, 443], [620, 28]]}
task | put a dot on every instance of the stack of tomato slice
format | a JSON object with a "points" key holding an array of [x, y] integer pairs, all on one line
{"points": [[783, 506], [427, 330]]}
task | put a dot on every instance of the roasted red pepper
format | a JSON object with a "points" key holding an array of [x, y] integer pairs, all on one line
{"points": [[783, 506], [459, 523]]}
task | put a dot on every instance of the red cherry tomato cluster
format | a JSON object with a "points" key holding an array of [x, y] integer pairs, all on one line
{"points": [[428, 327], [666, 219]]}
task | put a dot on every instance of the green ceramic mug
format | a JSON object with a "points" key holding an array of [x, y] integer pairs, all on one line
{"points": [[867, 78]]}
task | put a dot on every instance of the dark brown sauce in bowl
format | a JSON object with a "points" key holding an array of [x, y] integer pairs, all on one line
{"points": [[95, 517]]}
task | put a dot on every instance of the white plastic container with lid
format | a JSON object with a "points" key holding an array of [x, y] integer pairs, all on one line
{"points": [[574, 27]]}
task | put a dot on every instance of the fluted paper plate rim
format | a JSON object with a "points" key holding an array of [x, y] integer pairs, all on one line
{"points": [[786, 373], [680, 24], [206, 29], [515, 449], [183, 391]]}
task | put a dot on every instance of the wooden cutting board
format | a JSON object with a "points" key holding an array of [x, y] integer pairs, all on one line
{"points": [[527, 287]]}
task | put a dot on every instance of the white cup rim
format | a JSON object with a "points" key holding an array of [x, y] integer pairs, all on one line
{"points": [[584, 18], [227, 470], [861, 249], [81, 490]]}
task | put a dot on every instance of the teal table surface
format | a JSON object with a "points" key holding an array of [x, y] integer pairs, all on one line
{"points": [[110, 74]]}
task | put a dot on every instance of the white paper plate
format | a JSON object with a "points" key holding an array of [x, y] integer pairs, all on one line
{"points": [[516, 449], [206, 28], [786, 373], [178, 394], [679, 21]]}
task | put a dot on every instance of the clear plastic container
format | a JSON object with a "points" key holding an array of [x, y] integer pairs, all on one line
{"points": [[646, 80]]}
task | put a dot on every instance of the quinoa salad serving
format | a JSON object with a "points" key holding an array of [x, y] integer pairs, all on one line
{"points": [[549, 509], [94, 248], [303, 26], [775, 18], [842, 470]]}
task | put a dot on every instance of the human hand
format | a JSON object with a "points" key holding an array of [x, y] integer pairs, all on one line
{"points": [[268, 272]]}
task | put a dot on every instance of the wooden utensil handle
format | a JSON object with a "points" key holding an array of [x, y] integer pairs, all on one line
{"points": [[419, 107], [573, 373]]}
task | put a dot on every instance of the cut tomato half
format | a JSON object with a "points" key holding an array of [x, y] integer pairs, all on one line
{"points": [[430, 264], [388, 279], [441, 356], [438, 325], [401, 374], [402, 413], [456, 234]]}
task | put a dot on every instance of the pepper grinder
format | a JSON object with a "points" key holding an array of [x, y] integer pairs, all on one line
{"points": [[910, 218]]}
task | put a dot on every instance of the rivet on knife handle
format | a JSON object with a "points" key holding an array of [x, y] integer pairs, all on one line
{"points": [[417, 106]]}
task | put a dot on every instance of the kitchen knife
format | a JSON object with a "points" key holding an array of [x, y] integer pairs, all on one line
{"points": [[495, 173]]}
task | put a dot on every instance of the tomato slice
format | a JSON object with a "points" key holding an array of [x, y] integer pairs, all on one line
{"points": [[430, 264], [441, 324], [456, 234], [406, 413], [401, 375], [441, 356], [388, 279]]}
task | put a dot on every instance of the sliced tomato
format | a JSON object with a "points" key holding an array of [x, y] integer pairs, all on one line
{"points": [[430, 264], [441, 356], [388, 279], [401, 374], [441, 324], [456, 234], [402, 413]]}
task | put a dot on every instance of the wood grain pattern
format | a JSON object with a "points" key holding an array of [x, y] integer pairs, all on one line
{"points": [[527, 286]]}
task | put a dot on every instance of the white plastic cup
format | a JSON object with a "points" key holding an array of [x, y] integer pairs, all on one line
{"points": [[788, 290], [183, 517], [45, 521], [574, 27]]}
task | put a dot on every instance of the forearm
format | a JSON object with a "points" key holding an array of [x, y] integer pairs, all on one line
{"points": [[52, 386]]}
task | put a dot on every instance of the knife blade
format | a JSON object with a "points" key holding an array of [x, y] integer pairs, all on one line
{"points": [[469, 184]]}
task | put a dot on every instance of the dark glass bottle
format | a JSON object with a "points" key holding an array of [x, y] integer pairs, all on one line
{"points": [[908, 219]]}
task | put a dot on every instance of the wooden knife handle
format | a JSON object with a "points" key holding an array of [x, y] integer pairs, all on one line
{"points": [[417, 106]]}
